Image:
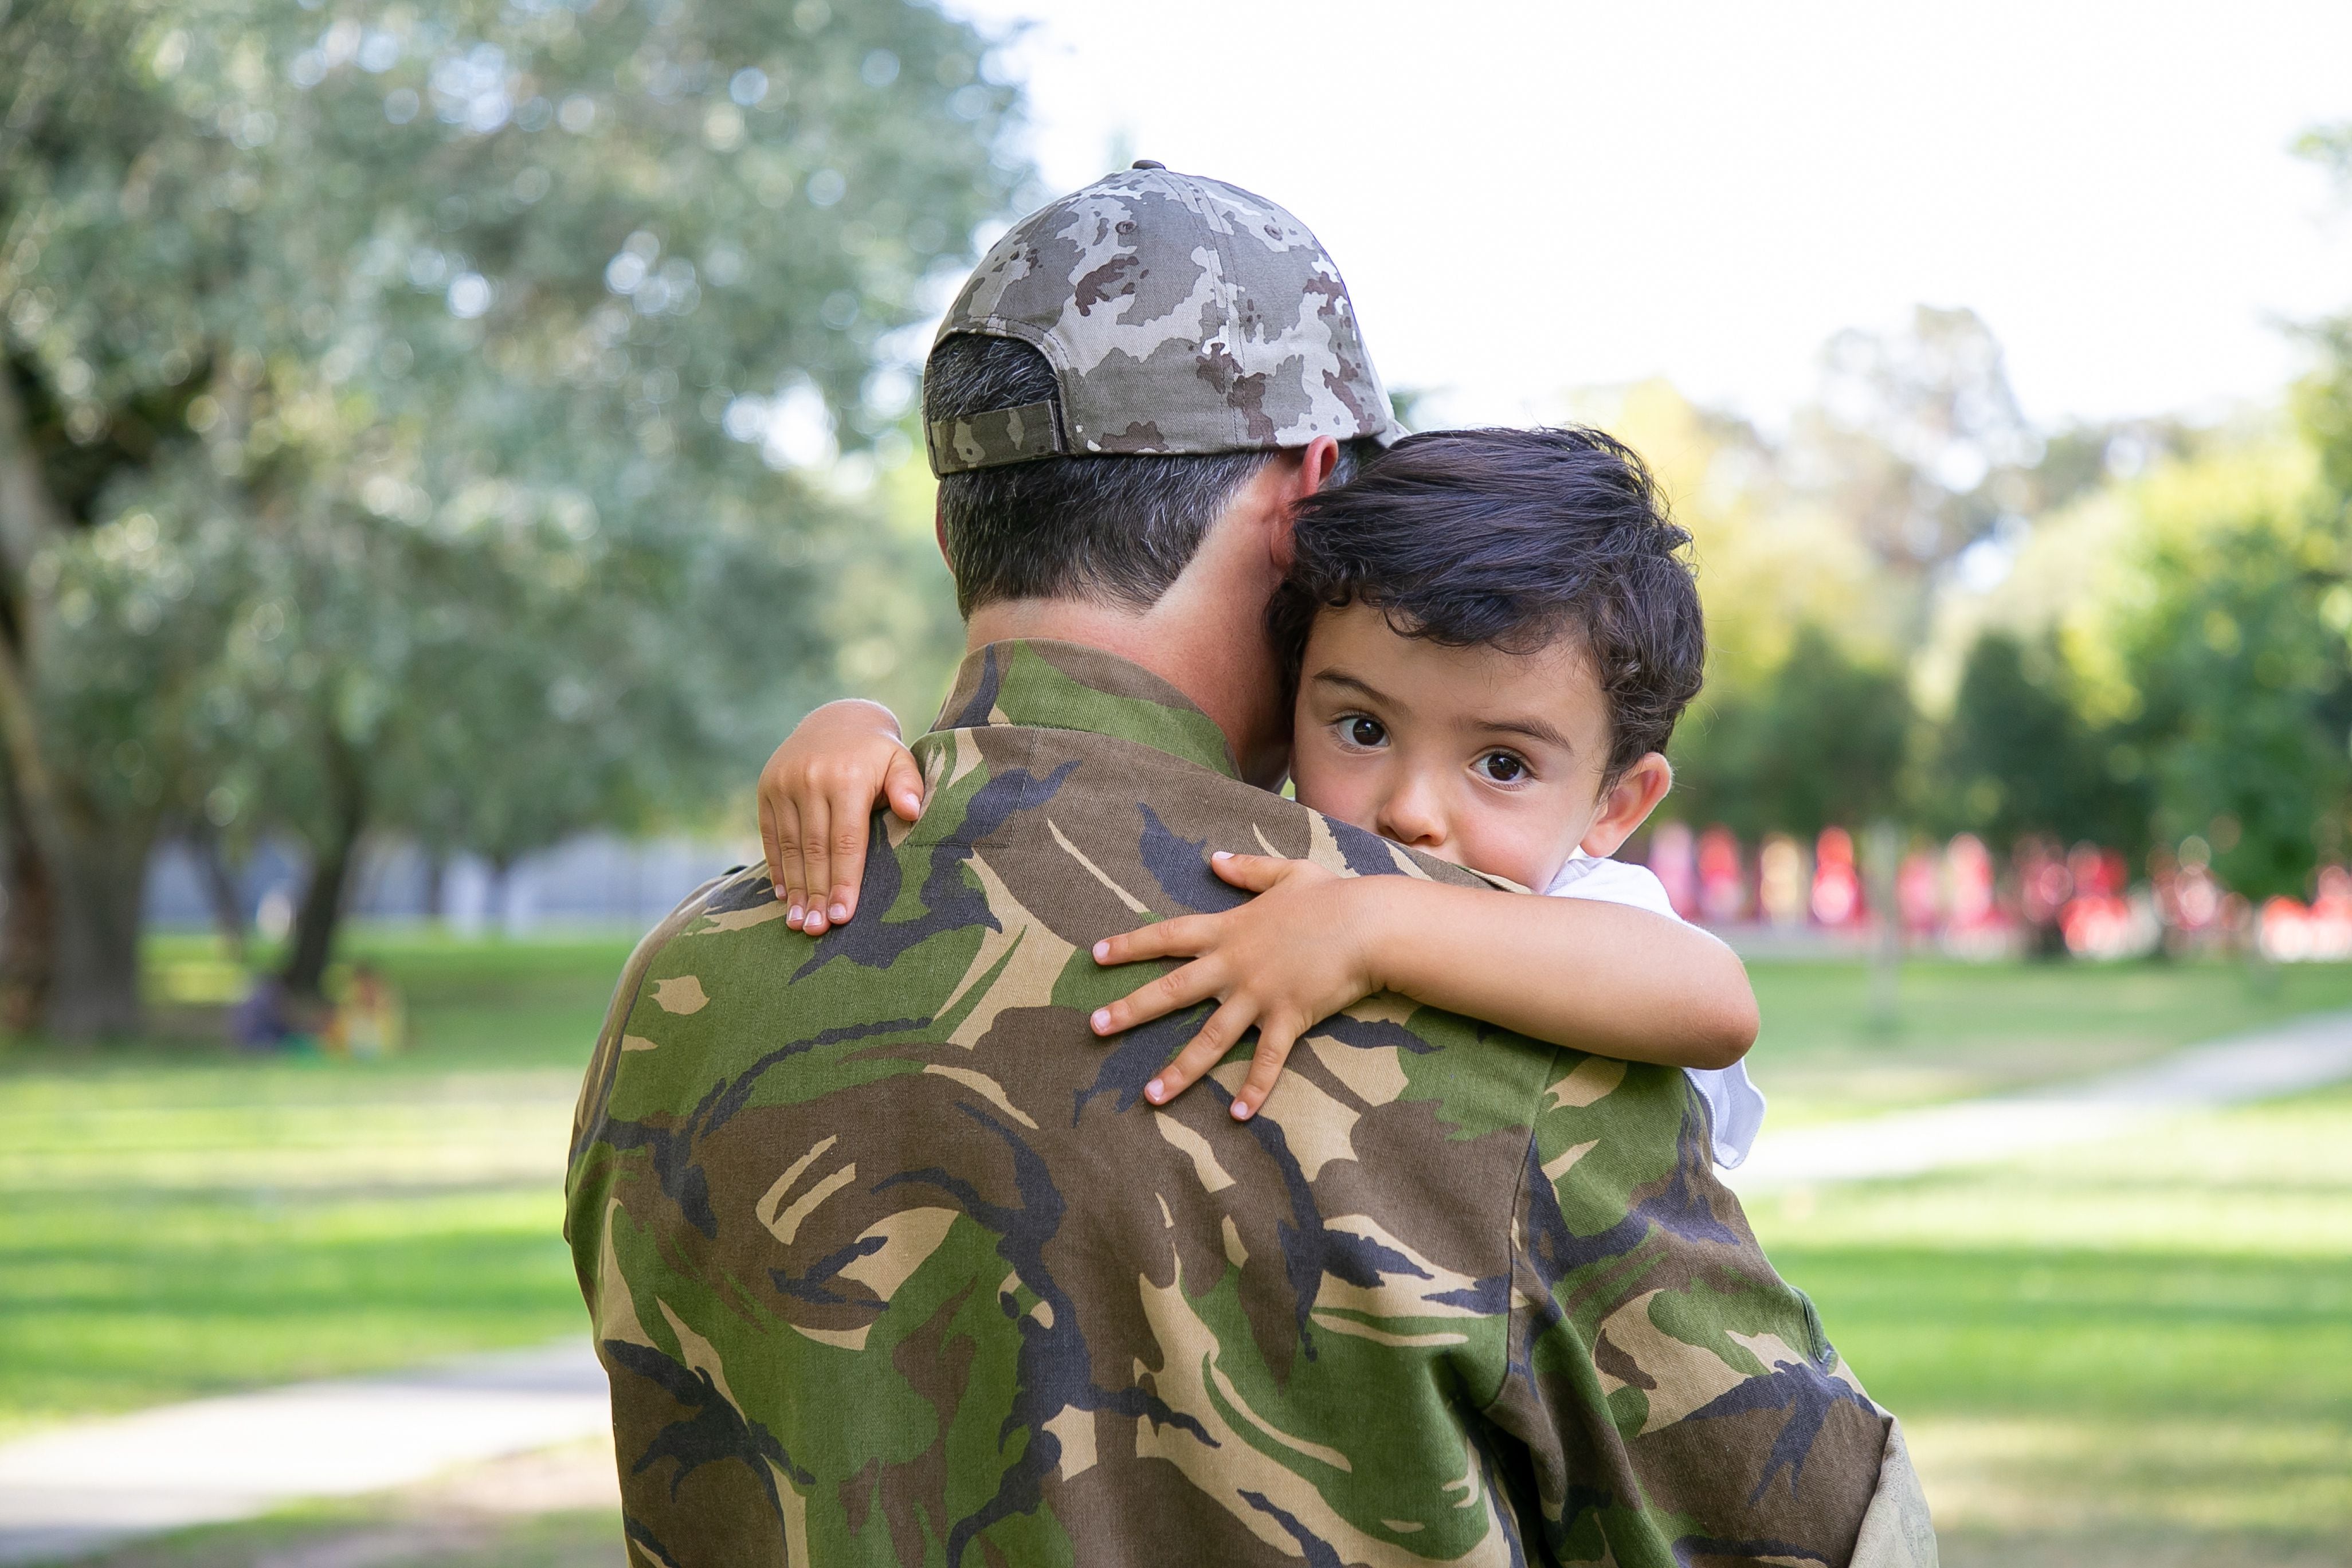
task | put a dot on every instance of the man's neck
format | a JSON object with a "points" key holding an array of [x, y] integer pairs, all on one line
{"points": [[1229, 677]]}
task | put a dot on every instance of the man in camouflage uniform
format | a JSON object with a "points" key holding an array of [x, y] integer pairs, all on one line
{"points": [[889, 1262]]}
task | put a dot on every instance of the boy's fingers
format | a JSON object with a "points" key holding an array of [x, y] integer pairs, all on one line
{"points": [[1274, 1044], [852, 818], [1205, 1050], [902, 785], [784, 862], [773, 797], [1183, 937], [816, 862], [1179, 988], [1255, 872], [1191, 1064], [771, 848]]}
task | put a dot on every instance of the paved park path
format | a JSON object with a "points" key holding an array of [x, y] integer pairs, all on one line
{"points": [[2299, 1055], [75, 1490]]}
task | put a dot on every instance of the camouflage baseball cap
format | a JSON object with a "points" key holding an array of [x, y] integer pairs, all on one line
{"points": [[1180, 315]]}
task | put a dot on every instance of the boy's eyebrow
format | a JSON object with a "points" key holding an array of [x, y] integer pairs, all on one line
{"points": [[1335, 678], [1533, 728]]}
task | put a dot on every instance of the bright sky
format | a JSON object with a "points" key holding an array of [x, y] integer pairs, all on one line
{"points": [[1530, 195]]}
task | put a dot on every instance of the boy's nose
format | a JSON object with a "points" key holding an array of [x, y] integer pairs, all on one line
{"points": [[1412, 816]]}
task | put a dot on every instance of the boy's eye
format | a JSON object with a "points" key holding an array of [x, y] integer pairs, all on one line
{"points": [[1363, 732], [1502, 767]]}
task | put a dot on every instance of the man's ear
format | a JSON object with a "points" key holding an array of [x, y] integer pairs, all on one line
{"points": [[939, 530], [1316, 464], [1629, 804], [1317, 461]]}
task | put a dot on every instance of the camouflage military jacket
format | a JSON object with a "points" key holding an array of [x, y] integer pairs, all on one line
{"points": [[889, 1262]]}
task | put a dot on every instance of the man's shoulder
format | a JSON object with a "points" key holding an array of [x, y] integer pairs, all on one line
{"points": [[1031, 838], [732, 893], [1034, 843], [1001, 782]]}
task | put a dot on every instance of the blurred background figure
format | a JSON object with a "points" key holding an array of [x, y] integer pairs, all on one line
{"points": [[368, 1020], [1722, 878], [1673, 856], [1922, 899], [1836, 898], [264, 1021], [1783, 883]]}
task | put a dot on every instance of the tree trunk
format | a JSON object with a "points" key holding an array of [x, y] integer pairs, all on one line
{"points": [[96, 871], [321, 911], [28, 936], [28, 517], [221, 891], [1882, 857], [101, 899]]}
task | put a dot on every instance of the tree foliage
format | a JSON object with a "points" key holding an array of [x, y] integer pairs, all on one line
{"points": [[409, 413], [2134, 632], [2018, 758], [1917, 438], [2237, 651], [1821, 742]]}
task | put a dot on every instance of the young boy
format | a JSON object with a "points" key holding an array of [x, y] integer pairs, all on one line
{"points": [[1492, 636]]}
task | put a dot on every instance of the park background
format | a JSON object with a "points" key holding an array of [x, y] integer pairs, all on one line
{"points": [[443, 445]]}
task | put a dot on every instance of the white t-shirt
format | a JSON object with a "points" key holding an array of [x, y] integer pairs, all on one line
{"points": [[1738, 1104]]}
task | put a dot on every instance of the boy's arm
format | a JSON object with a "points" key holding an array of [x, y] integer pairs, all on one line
{"points": [[1601, 977], [817, 795]]}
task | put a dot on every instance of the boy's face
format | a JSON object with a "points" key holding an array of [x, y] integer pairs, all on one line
{"points": [[1488, 759]]}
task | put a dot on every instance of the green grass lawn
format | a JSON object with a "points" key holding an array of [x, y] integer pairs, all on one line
{"points": [[181, 1219], [2131, 1353], [2124, 1354], [1962, 1030]]}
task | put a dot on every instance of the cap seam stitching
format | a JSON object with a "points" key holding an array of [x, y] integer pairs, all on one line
{"points": [[1228, 273]]}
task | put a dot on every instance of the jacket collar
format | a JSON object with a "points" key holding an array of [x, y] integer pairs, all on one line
{"points": [[1048, 685]]}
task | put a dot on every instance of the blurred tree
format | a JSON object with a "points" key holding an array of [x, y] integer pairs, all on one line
{"points": [[1821, 742], [2324, 401], [2226, 643], [1917, 440], [2017, 757], [393, 403], [1772, 558], [2233, 640], [2080, 459]]}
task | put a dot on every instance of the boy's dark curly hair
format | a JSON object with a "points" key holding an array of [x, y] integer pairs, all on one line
{"points": [[1513, 538]]}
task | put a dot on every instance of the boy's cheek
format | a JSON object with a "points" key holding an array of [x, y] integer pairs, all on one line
{"points": [[1529, 847], [1326, 788]]}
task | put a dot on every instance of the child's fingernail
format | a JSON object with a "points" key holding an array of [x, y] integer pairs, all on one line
{"points": [[1241, 1110], [793, 916], [840, 912], [1222, 854], [1102, 1020], [1102, 951], [1155, 1091]]}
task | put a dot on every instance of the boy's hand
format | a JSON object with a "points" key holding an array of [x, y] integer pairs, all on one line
{"points": [[1286, 961], [816, 794]]}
